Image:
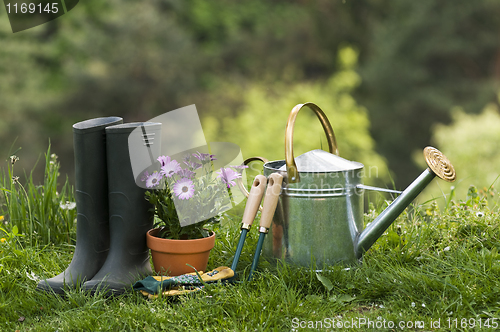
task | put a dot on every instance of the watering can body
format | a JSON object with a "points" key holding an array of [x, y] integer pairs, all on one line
{"points": [[319, 219]]}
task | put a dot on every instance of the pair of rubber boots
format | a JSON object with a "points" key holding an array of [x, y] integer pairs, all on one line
{"points": [[113, 214]]}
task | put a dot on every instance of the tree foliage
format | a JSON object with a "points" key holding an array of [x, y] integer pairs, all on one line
{"points": [[259, 126], [472, 142], [417, 60], [422, 59]]}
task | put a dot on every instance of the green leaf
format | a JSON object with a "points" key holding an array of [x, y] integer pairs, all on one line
{"points": [[333, 298], [204, 232], [345, 298], [325, 281]]}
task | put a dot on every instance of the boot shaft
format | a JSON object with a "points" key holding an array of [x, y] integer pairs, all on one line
{"points": [[89, 141], [91, 184], [130, 215]]}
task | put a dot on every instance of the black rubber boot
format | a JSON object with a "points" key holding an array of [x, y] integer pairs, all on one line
{"points": [[130, 214], [91, 184]]}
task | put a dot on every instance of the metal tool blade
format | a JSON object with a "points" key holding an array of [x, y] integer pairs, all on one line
{"points": [[237, 254]]}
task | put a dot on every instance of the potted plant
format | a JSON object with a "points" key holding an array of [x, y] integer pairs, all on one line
{"points": [[188, 200]]}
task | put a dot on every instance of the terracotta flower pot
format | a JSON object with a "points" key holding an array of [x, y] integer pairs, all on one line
{"points": [[171, 256]]}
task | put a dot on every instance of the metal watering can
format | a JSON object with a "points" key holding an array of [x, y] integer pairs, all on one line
{"points": [[319, 217]]}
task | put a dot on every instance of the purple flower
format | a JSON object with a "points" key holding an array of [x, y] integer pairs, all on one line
{"points": [[204, 157], [186, 158], [184, 188], [153, 180], [239, 168], [163, 160], [145, 176], [192, 166], [185, 173], [227, 175], [170, 168]]}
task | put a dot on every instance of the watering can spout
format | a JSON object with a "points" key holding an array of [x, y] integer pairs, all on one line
{"points": [[438, 165]]}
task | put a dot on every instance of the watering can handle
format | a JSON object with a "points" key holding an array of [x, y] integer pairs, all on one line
{"points": [[240, 183], [291, 167]]}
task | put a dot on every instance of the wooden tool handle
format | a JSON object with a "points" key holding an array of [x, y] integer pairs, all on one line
{"points": [[254, 198], [271, 200]]}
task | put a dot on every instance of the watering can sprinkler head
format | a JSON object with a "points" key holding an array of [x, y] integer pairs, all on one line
{"points": [[439, 166]]}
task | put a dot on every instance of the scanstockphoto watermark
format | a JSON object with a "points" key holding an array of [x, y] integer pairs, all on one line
{"points": [[26, 14], [356, 323], [381, 323]]}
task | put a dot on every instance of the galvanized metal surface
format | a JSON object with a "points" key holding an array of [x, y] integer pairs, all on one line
{"points": [[321, 161], [318, 219], [377, 227]]}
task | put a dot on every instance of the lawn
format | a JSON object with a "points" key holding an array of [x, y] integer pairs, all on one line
{"points": [[433, 270]]}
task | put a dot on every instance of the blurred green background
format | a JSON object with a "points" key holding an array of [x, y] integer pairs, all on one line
{"points": [[392, 76]]}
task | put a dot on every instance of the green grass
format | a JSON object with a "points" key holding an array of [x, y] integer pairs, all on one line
{"points": [[36, 209], [429, 265]]}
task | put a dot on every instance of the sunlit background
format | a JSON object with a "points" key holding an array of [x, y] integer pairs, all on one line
{"points": [[393, 77]]}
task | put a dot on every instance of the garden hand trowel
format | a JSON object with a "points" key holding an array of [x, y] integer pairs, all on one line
{"points": [[253, 203], [270, 203]]}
